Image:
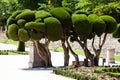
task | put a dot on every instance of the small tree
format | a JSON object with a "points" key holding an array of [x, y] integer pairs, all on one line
{"points": [[34, 26], [88, 28]]}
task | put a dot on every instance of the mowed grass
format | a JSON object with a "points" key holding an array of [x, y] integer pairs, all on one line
{"points": [[117, 58]]}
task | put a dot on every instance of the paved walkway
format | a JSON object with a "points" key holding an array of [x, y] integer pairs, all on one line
{"points": [[15, 67]]}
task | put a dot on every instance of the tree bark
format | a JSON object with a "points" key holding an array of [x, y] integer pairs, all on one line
{"points": [[75, 55], [66, 53], [41, 55], [21, 46]]}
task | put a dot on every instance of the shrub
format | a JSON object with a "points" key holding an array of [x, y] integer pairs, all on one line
{"points": [[38, 26], [23, 35], [42, 14], [54, 28], [82, 25], [111, 23], [63, 16], [13, 32]]}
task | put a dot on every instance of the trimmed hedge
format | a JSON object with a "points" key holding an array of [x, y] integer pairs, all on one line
{"points": [[78, 76]]}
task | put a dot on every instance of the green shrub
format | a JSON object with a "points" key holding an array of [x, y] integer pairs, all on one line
{"points": [[82, 25], [39, 26], [13, 31], [111, 23], [21, 22], [23, 35], [26, 15], [54, 28], [42, 14], [35, 35], [63, 16]]}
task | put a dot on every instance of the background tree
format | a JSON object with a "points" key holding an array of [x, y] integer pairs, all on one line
{"points": [[26, 4]]}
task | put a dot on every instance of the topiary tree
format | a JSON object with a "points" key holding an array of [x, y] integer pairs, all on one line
{"points": [[64, 16], [108, 25], [91, 27], [35, 26]]}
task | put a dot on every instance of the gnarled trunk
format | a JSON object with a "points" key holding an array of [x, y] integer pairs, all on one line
{"points": [[41, 56]]}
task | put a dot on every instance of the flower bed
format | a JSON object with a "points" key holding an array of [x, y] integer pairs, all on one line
{"points": [[89, 73]]}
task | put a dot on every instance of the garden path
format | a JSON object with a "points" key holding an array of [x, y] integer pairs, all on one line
{"points": [[15, 67]]}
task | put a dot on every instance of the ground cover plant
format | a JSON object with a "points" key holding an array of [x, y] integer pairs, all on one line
{"points": [[89, 73]]}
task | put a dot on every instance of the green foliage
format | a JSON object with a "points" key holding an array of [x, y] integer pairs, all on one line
{"points": [[116, 33], [38, 26], [23, 35], [21, 22], [68, 10], [35, 35], [98, 24], [63, 16], [99, 27], [81, 12], [27, 15], [42, 14], [13, 32], [82, 26], [54, 28], [110, 22], [14, 14], [38, 20], [10, 20]]}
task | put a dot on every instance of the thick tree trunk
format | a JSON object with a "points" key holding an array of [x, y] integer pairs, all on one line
{"points": [[66, 53], [41, 55], [66, 57], [96, 61], [74, 54], [21, 46]]}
